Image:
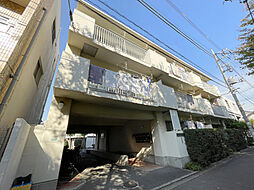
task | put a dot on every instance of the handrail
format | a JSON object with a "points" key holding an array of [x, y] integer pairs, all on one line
{"points": [[112, 39]]}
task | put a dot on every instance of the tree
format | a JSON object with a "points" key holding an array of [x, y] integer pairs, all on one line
{"points": [[245, 51]]}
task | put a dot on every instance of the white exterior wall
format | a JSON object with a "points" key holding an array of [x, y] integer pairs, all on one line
{"points": [[231, 106], [73, 75], [43, 150], [84, 23], [169, 149]]}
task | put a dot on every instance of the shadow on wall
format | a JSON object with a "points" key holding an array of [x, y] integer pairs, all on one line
{"points": [[72, 72], [43, 151]]}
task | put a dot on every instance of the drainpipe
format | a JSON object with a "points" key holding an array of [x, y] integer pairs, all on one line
{"points": [[13, 82]]}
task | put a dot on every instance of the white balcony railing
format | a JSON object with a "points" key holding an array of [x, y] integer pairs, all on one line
{"points": [[121, 83], [117, 42], [192, 104]]}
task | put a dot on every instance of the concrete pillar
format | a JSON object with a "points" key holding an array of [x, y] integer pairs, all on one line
{"points": [[44, 148], [175, 120], [169, 146]]}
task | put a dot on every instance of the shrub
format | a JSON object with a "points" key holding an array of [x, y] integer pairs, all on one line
{"points": [[233, 124], [235, 139], [193, 166], [206, 146]]}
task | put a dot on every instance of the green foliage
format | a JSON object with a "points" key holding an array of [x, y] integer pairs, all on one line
{"points": [[206, 146], [193, 166], [246, 50], [252, 122], [235, 139], [232, 124]]}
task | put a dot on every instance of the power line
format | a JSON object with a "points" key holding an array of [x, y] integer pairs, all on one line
{"points": [[197, 28], [176, 52], [194, 25], [246, 98], [156, 13], [148, 34], [248, 6], [171, 25], [226, 56]]}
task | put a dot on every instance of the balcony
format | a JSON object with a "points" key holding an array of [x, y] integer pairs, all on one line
{"points": [[113, 47], [113, 40], [211, 89], [187, 103], [220, 111], [78, 79]]}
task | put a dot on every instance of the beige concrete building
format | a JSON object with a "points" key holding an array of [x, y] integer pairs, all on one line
{"points": [[134, 95], [29, 52]]}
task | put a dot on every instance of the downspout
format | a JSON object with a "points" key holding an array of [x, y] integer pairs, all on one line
{"points": [[17, 73]]}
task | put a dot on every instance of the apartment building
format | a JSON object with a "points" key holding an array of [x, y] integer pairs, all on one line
{"points": [[130, 92], [29, 52], [134, 95]]}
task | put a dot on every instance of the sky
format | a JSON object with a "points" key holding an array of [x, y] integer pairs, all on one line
{"points": [[220, 22]]}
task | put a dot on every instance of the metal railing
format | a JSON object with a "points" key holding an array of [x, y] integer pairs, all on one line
{"points": [[113, 40]]}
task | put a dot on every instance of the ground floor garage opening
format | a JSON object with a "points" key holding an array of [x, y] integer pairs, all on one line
{"points": [[95, 140]]}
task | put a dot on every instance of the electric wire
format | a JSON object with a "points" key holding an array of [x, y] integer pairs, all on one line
{"points": [[147, 33], [171, 25], [248, 6], [194, 25], [246, 98], [176, 52]]}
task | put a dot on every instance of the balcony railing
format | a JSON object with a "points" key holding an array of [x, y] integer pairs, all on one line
{"points": [[117, 42], [192, 104], [220, 111], [121, 83]]}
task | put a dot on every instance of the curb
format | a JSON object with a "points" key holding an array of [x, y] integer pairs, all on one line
{"points": [[175, 180], [181, 180]]}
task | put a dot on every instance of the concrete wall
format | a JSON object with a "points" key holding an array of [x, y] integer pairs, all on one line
{"points": [[157, 61], [169, 148], [84, 23], [43, 151], [121, 138], [73, 76], [230, 105], [13, 153]]}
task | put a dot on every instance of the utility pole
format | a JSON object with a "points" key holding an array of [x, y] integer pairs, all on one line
{"points": [[234, 96]]}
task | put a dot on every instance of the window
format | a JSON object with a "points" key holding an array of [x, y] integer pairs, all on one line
{"points": [[169, 125], [53, 31], [38, 72]]}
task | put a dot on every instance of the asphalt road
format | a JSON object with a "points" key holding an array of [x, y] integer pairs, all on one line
{"points": [[236, 173]]}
